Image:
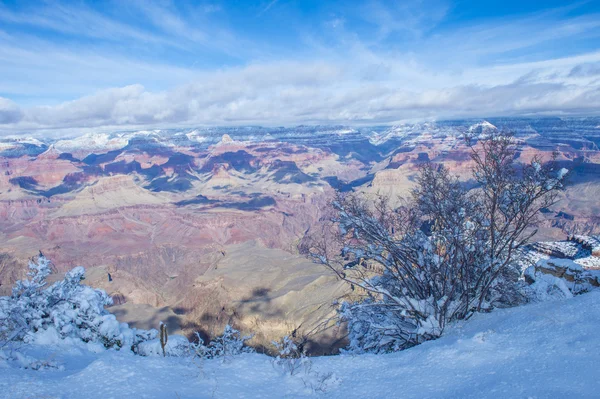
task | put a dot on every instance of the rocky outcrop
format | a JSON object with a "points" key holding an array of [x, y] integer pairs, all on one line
{"points": [[589, 243], [576, 278]]}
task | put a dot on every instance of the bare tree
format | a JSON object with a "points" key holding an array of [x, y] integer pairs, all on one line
{"points": [[510, 198], [440, 256]]}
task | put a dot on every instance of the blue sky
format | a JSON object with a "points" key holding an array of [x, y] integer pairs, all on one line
{"points": [[101, 65]]}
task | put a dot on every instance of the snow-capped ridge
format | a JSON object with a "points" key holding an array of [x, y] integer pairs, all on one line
{"points": [[482, 127], [226, 140], [196, 136], [16, 140], [92, 141], [407, 131]]}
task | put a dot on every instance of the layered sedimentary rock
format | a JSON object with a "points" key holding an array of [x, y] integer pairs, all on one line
{"points": [[202, 225]]}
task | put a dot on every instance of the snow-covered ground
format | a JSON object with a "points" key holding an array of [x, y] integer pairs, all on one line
{"points": [[546, 350]]}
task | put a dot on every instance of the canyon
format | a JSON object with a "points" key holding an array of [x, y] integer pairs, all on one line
{"points": [[201, 227]]}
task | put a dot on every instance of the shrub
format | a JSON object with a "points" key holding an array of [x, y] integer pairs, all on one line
{"points": [[290, 358], [230, 343], [68, 307], [176, 346], [445, 253]]}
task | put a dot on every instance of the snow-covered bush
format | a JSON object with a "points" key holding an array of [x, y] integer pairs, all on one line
{"points": [[321, 383], [176, 346], [445, 253], [292, 361], [77, 310], [28, 362], [290, 358], [26, 307], [375, 327], [230, 343], [70, 308]]}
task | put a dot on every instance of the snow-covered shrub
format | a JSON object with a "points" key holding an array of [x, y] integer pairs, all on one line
{"points": [[320, 383], [131, 338], [26, 307], [230, 343], [442, 255], [375, 327], [176, 346], [31, 363], [292, 361], [290, 358], [76, 310], [9, 329], [70, 308]]}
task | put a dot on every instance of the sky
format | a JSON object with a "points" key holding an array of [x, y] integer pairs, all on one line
{"points": [[82, 66]]}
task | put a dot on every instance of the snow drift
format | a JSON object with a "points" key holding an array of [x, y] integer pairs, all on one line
{"points": [[543, 350]]}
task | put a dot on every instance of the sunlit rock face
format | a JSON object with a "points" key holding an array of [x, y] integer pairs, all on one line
{"points": [[203, 224]]}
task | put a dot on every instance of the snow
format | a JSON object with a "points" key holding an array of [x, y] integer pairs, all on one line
{"points": [[402, 132], [6, 146], [10, 142], [482, 127], [92, 141], [226, 140], [177, 345], [24, 140], [66, 309], [543, 350], [546, 286], [568, 249], [341, 132], [196, 136], [553, 263], [562, 173], [589, 262]]}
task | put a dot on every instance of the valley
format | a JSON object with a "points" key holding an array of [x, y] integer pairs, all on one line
{"points": [[201, 227]]}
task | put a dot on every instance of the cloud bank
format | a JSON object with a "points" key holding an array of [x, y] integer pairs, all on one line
{"points": [[310, 93]]}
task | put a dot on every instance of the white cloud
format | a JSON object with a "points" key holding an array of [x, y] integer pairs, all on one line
{"points": [[586, 70], [10, 113], [291, 93]]}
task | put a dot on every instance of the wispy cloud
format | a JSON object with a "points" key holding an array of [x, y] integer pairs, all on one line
{"points": [[79, 20], [407, 16], [267, 7]]}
